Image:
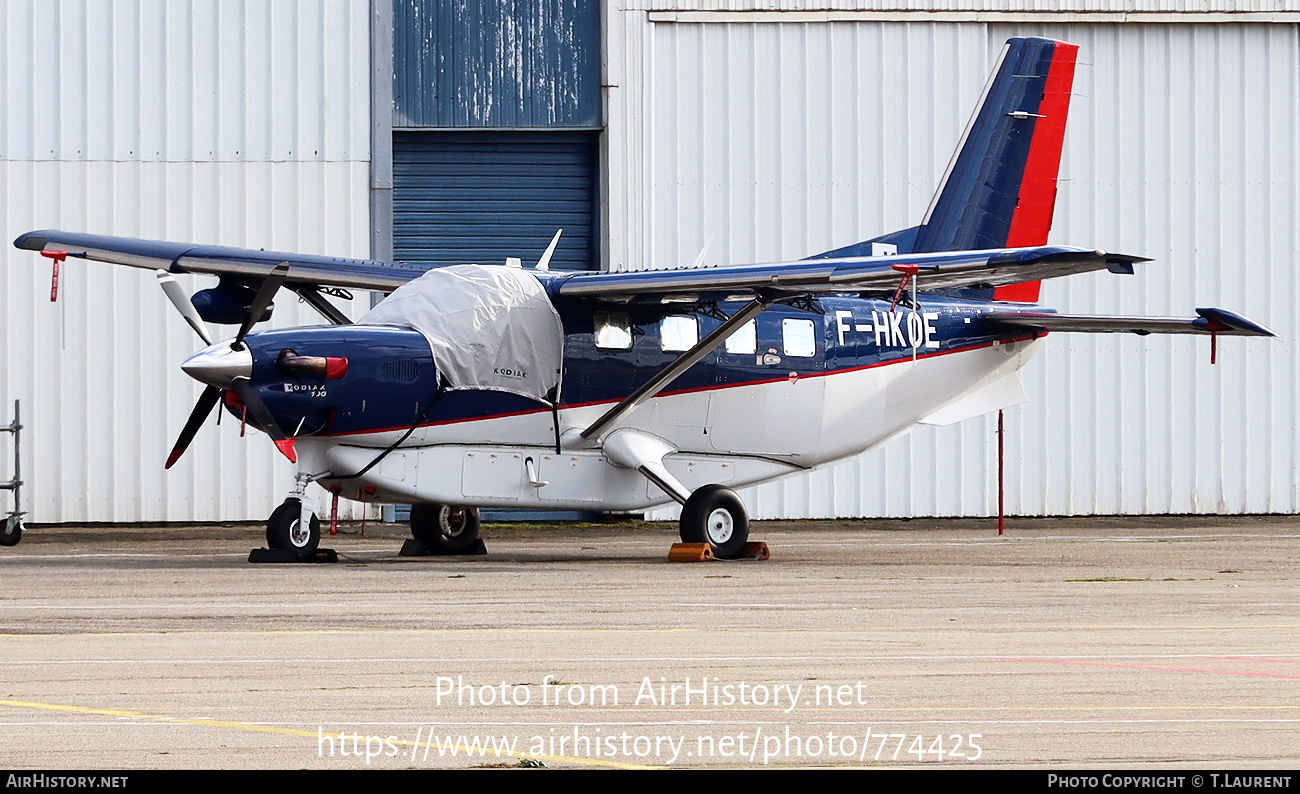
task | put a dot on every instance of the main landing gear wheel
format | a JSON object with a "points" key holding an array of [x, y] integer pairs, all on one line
{"points": [[284, 530], [716, 516], [445, 529]]}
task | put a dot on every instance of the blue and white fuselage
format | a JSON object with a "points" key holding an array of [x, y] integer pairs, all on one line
{"points": [[797, 389]]}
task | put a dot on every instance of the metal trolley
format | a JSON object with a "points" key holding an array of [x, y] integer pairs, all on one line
{"points": [[13, 527]]}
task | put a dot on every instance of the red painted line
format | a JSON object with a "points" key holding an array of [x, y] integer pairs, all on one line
{"points": [[1075, 663], [1252, 659], [1032, 219], [764, 382]]}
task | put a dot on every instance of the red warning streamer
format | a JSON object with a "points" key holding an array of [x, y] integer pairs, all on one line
{"points": [[58, 257]]}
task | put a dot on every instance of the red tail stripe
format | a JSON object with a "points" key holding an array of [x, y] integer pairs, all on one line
{"points": [[1032, 219]]}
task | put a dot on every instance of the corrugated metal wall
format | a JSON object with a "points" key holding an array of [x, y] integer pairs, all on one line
{"points": [[231, 123], [245, 123], [520, 64], [777, 140], [987, 6]]}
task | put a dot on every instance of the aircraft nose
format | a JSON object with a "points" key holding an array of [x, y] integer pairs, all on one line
{"points": [[219, 365]]}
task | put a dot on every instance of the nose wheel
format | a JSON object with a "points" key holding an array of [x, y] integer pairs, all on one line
{"points": [[284, 530], [715, 515]]}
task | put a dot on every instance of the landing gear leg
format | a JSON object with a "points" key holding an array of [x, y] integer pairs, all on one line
{"points": [[715, 515]]}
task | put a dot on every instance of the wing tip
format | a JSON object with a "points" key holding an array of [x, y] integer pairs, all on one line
{"points": [[1222, 320], [32, 241]]}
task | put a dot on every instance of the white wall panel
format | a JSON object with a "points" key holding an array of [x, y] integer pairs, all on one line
{"points": [[97, 372], [233, 123], [781, 140], [184, 80], [994, 6]]}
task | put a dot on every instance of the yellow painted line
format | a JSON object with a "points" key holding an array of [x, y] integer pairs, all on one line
{"points": [[245, 726]]}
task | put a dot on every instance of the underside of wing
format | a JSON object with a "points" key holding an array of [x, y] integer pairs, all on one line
{"points": [[324, 271]]}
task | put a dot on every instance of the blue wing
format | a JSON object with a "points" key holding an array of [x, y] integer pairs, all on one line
{"points": [[325, 271], [940, 271], [873, 276]]}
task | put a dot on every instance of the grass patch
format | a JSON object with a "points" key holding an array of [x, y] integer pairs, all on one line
{"points": [[1109, 579]]}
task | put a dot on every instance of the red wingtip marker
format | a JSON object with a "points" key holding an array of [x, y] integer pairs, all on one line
{"points": [[175, 456], [285, 445]]}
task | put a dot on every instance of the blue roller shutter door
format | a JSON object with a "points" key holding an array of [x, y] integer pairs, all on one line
{"points": [[483, 196]]}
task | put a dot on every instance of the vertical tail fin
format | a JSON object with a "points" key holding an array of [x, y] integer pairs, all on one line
{"points": [[1000, 188]]}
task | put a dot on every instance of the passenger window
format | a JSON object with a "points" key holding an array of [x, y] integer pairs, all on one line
{"points": [[679, 333], [613, 330], [799, 338], [744, 340]]}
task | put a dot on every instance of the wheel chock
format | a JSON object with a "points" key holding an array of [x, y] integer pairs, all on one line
{"points": [[286, 555], [690, 552], [756, 550], [416, 548]]}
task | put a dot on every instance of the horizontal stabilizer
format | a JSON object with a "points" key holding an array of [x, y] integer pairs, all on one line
{"points": [[1210, 321]]}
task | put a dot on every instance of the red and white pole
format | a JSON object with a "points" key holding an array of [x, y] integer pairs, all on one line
{"points": [[1002, 516]]}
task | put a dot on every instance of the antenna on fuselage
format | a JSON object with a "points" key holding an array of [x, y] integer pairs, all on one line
{"points": [[699, 258], [545, 262]]}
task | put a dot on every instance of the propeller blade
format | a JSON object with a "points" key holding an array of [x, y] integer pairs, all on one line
{"points": [[263, 299], [244, 388], [176, 294], [210, 396]]}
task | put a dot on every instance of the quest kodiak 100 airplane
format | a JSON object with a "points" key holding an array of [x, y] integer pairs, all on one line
{"points": [[501, 386]]}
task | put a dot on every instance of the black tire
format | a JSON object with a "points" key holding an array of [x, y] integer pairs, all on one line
{"points": [[12, 532], [445, 529], [282, 530], [715, 515]]}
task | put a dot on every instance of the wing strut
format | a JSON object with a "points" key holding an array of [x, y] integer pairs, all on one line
{"points": [[671, 372], [313, 298]]}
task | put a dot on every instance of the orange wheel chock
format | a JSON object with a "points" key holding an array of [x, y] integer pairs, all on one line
{"points": [[690, 552]]}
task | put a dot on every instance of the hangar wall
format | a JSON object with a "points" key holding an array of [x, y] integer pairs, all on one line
{"points": [[228, 123], [773, 134], [785, 128]]}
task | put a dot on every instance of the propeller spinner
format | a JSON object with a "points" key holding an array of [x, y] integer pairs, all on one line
{"points": [[226, 366]]}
